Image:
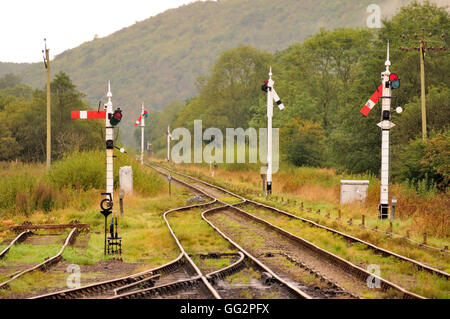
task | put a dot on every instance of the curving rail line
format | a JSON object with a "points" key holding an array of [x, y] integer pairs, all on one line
{"points": [[20, 238], [47, 263], [382, 251], [342, 263]]}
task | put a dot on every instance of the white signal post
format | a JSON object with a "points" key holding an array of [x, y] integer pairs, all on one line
{"points": [[169, 137], [385, 126], [109, 149], [271, 96], [142, 133]]}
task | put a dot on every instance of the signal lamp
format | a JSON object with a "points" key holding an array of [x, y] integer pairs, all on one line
{"points": [[395, 81], [116, 117]]}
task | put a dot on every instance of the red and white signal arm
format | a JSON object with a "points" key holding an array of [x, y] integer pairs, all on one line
{"points": [[88, 115], [372, 101]]}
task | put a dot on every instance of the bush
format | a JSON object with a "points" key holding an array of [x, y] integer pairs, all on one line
{"points": [[80, 171], [424, 164], [84, 171]]}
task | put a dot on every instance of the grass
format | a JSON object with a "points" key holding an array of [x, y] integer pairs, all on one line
{"points": [[319, 189], [392, 269], [243, 277], [71, 182], [195, 234], [229, 199], [146, 239]]}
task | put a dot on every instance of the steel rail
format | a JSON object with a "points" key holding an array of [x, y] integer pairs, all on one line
{"points": [[47, 263], [345, 265], [205, 281], [290, 287], [20, 238], [182, 284], [350, 238], [294, 290], [103, 286]]}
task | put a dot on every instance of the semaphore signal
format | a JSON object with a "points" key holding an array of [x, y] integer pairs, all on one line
{"points": [[389, 81], [271, 97], [141, 120], [112, 118]]}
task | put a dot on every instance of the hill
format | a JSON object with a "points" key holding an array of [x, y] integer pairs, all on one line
{"points": [[15, 68], [158, 60]]}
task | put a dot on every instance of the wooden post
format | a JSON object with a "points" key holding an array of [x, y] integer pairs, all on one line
{"points": [[390, 226], [363, 220], [339, 214], [49, 119], [425, 238], [422, 90]]}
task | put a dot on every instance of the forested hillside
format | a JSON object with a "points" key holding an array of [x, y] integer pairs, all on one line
{"points": [[324, 82], [158, 60], [15, 68]]}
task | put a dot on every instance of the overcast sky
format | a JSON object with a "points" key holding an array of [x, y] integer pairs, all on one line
{"points": [[66, 23]]}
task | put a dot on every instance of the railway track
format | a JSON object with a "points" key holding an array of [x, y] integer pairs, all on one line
{"points": [[157, 283], [105, 288], [343, 264], [47, 263], [143, 285], [293, 286], [290, 289], [349, 238], [20, 238]]}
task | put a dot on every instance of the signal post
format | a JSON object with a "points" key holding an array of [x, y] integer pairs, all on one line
{"points": [[112, 118], [389, 81]]}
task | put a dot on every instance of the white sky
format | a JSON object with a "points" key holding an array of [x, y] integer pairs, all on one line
{"points": [[66, 23]]}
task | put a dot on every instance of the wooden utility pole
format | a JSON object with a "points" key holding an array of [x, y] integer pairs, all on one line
{"points": [[422, 89], [423, 48], [49, 136]]}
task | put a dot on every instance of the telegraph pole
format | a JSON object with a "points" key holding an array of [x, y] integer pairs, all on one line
{"points": [[142, 134], [423, 48], [422, 88], [49, 137]]}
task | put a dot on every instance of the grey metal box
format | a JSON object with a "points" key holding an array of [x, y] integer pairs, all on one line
{"points": [[353, 190]]}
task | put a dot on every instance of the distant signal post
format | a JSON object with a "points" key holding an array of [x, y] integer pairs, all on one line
{"points": [[169, 138], [271, 97], [141, 120]]}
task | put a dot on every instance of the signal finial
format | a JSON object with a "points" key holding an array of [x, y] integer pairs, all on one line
{"points": [[387, 63]]}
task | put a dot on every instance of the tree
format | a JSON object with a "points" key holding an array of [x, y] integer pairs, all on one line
{"points": [[9, 80], [303, 142], [230, 90]]}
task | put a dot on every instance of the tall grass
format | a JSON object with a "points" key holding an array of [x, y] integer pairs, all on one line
{"points": [[426, 210], [71, 182]]}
